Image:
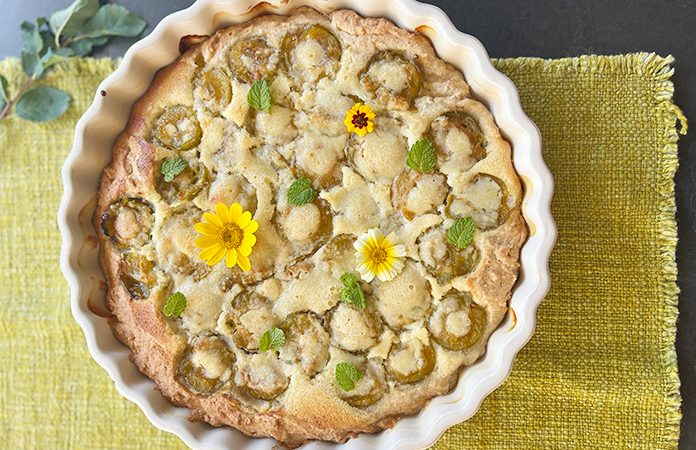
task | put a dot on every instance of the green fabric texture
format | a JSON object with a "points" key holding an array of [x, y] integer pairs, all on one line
{"points": [[600, 371]]}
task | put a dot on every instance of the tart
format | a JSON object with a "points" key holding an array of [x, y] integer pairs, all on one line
{"points": [[357, 106]]}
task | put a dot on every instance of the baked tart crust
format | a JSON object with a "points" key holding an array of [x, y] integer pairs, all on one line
{"points": [[416, 332]]}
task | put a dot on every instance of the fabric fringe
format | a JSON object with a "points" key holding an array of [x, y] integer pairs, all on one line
{"points": [[675, 123], [667, 238], [635, 63]]}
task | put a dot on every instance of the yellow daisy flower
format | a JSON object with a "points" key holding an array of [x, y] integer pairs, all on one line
{"points": [[228, 231], [359, 119], [379, 256]]}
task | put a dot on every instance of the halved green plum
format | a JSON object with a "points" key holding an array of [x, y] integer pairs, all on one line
{"points": [[395, 79], [312, 52], [253, 60], [128, 222], [411, 361], [458, 322], [178, 129], [196, 378], [137, 274]]}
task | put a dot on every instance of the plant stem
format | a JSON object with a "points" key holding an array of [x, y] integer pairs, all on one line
{"points": [[74, 38], [16, 97]]}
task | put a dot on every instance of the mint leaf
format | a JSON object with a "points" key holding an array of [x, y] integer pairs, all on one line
{"points": [[301, 192], [461, 232], [172, 168], [272, 339], [422, 156], [113, 20], [69, 21], [348, 279], [346, 375], [259, 96], [42, 103], [352, 293], [175, 305]]}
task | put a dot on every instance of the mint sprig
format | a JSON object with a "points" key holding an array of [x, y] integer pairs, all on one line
{"points": [[172, 168], [301, 192], [175, 305], [273, 339], [259, 96], [461, 233], [422, 156], [352, 292], [346, 376]]}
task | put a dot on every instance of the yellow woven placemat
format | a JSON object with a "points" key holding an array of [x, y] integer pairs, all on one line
{"points": [[600, 371]]}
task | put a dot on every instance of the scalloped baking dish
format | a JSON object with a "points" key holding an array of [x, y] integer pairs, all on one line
{"points": [[99, 127]]}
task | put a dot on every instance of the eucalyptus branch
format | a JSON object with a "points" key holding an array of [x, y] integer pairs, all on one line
{"points": [[69, 33], [16, 97], [73, 39], [66, 42]]}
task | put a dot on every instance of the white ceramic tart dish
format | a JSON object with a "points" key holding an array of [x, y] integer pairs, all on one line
{"points": [[264, 391]]}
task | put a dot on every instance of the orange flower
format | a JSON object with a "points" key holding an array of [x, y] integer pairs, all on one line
{"points": [[359, 119]]}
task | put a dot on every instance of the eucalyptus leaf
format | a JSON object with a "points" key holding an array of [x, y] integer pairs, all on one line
{"points": [[32, 42], [114, 20], [31, 64], [42, 103], [3, 92], [69, 21], [48, 40], [38, 39], [64, 52], [84, 46], [54, 57], [31, 46]]}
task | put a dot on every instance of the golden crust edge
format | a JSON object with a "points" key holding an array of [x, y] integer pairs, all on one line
{"points": [[115, 181]]}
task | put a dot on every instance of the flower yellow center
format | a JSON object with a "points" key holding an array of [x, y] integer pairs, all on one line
{"points": [[379, 255], [230, 236], [360, 120]]}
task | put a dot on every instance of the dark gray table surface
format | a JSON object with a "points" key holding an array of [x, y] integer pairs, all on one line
{"points": [[546, 29]]}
